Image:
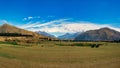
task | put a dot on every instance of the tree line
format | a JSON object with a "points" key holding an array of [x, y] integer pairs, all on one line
{"points": [[14, 34]]}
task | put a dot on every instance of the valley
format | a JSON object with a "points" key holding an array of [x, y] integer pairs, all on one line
{"points": [[50, 55]]}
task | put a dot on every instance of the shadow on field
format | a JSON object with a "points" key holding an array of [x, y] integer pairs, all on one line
{"points": [[82, 44]]}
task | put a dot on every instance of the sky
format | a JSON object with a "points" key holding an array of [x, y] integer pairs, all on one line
{"points": [[58, 17]]}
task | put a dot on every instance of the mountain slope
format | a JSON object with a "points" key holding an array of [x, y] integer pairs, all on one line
{"points": [[45, 34], [13, 34], [68, 36], [103, 34], [6, 28]]}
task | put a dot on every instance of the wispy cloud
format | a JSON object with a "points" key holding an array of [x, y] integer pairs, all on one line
{"points": [[50, 16], [29, 25], [5, 22], [65, 26], [31, 17], [39, 24]]}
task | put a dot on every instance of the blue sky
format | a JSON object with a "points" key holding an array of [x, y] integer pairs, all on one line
{"points": [[30, 13]]}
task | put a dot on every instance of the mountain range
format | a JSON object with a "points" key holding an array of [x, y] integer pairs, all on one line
{"points": [[68, 36], [45, 34], [103, 34]]}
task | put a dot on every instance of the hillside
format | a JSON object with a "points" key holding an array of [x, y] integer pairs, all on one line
{"points": [[6, 28], [12, 33], [103, 34]]}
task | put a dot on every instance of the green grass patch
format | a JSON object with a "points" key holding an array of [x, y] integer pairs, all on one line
{"points": [[13, 43], [6, 55]]}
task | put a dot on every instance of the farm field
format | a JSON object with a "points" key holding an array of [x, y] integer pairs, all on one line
{"points": [[52, 55]]}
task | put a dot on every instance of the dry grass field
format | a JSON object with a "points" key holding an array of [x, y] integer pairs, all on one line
{"points": [[51, 55]]}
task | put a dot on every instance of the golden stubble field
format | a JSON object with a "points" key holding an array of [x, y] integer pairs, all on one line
{"points": [[54, 56]]}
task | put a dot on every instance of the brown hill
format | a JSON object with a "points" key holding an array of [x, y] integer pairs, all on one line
{"points": [[103, 34], [6, 28], [12, 33]]}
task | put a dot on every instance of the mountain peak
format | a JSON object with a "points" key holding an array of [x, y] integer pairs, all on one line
{"points": [[103, 34], [5, 24], [6, 28], [45, 34], [106, 28]]}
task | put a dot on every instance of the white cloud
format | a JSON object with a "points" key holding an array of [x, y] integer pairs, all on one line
{"points": [[24, 19], [30, 17], [38, 24], [50, 16], [65, 26], [29, 25]]}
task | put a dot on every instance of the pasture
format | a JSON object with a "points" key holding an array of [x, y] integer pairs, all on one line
{"points": [[60, 55]]}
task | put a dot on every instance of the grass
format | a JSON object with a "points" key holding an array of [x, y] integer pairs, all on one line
{"points": [[52, 55], [6, 55], [13, 43]]}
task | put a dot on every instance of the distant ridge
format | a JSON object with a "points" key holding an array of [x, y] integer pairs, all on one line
{"points": [[45, 34], [103, 34], [68, 36]]}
